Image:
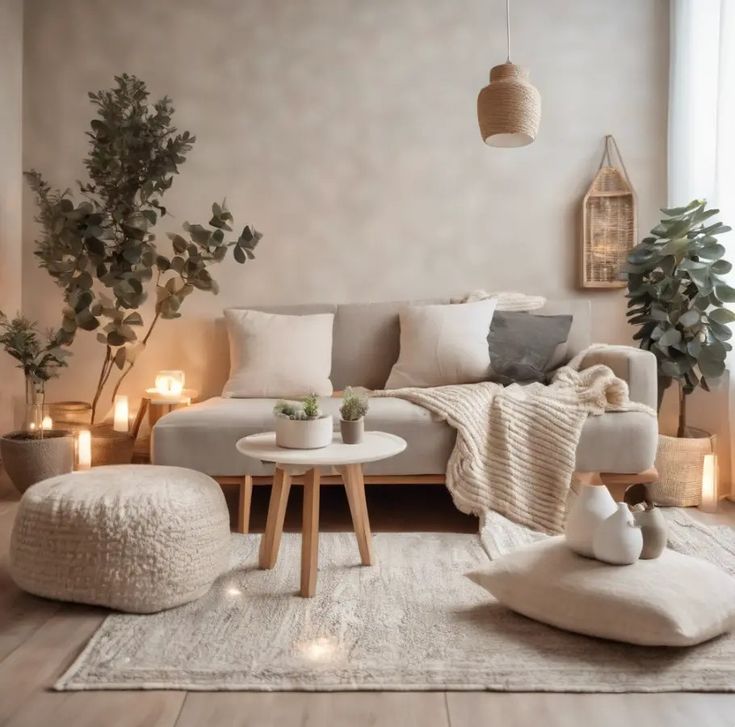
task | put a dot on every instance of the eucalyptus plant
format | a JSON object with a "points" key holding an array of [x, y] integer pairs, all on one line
{"points": [[102, 251], [678, 292]]}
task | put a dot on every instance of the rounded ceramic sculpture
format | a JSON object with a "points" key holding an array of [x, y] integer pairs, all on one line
{"points": [[618, 540], [654, 531], [138, 538], [592, 505]]}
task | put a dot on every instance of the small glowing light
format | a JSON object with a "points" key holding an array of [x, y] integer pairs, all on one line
{"points": [[322, 648], [120, 414], [47, 423], [32, 426], [234, 591], [84, 450], [170, 383], [709, 483]]}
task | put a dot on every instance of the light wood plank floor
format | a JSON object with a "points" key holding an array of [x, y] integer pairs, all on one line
{"points": [[38, 640]]}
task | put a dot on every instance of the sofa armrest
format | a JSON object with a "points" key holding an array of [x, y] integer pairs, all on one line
{"points": [[634, 365]]}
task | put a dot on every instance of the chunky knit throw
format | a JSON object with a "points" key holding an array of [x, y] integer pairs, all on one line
{"points": [[516, 445]]}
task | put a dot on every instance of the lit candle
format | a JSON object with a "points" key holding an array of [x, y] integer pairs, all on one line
{"points": [[47, 423], [170, 383], [120, 414], [84, 450], [709, 484], [32, 426]]}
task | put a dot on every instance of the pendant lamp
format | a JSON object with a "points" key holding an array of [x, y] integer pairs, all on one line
{"points": [[509, 107]]}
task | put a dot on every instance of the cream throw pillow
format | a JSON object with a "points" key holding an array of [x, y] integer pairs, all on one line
{"points": [[278, 356], [443, 344], [674, 600]]}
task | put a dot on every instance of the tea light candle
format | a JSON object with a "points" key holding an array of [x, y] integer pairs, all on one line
{"points": [[84, 450], [47, 423], [32, 426], [709, 484], [121, 414], [170, 383]]}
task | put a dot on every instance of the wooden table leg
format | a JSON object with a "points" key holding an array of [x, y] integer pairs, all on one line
{"points": [[310, 534], [355, 489], [243, 510], [271, 539]]}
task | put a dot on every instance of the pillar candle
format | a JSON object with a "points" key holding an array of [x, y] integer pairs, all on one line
{"points": [[84, 450], [121, 414]]}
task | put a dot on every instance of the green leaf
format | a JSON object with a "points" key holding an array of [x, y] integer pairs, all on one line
{"points": [[120, 356], [722, 316], [134, 319], [670, 337], [690, 318], [239, 254], [725, 293]]}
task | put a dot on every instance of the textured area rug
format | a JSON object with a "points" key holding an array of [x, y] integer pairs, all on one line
{"points": [[411, 622]]}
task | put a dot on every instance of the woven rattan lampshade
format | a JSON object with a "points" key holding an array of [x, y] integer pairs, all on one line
{"points": [[509, 108]]}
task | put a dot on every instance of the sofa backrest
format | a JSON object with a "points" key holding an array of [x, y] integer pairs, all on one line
{"points": [[366, 336]]}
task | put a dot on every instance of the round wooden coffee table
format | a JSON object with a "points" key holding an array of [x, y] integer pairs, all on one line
{"points": [[347, 459]]}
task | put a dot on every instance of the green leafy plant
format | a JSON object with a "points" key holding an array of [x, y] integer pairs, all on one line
{"points": [[677, 297], [354, 405], [102, 251], [305, 410]]}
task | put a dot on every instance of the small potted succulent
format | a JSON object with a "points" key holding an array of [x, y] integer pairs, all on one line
{"points": [[302, 425], [353, 410], [34, 453]]}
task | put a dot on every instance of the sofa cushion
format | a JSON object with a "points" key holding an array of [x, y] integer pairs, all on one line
{"points": [[262, 351], [522, 345], [443, 345], [203, 437]]}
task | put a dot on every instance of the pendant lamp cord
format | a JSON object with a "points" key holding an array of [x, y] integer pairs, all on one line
{"points": [[507, 26]]}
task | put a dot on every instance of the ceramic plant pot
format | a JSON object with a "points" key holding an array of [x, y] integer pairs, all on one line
{"points": [[304, 433], [654, 531], [353, 430], [29, 459], [618, 540], [592, 505]]}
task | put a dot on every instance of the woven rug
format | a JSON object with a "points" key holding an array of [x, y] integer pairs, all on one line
{"points": [[411, 622]]}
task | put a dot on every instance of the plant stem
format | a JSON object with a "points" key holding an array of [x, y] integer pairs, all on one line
{"points": [[101, 381], [681, 430]]}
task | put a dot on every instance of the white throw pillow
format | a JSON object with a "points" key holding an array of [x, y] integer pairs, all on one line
{"points": [[278, 356], [674, 600], [443, 344]]}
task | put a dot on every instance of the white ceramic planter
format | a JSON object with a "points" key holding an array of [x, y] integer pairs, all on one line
{"points": [[304, 433], [618, 540], [592, 506]]}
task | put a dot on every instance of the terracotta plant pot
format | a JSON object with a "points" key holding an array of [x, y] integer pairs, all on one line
{"points": [[680, 462], [111, 447], [304, 433], [29, 458], [352, 430], [72, 415]]}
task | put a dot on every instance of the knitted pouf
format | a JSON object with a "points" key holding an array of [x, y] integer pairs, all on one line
{"points": [[138, 538]]}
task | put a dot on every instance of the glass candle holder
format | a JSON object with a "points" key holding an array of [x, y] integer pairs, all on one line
{"points": [[170, 383]]}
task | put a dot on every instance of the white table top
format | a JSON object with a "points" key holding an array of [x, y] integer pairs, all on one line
{"points": [[374, 446]]}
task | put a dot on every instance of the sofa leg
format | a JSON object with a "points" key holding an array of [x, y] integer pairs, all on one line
{"points": [[616, 482], [243, 510]]}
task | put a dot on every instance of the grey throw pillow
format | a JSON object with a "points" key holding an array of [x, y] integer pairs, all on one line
{"points": [[522, 345]]}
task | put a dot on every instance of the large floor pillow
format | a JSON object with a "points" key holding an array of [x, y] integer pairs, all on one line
{"points": [[674, 600], [137, 538]]}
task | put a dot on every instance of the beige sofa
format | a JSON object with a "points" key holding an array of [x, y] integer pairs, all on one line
{"points": [[365, 346]]}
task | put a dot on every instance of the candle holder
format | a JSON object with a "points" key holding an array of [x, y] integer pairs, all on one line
{"points": [[170, 383]]}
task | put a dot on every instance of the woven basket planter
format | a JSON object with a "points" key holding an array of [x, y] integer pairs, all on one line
{"points": [[111, 447], [680, 461], [609, 225], [72, 415], [28, 460]]}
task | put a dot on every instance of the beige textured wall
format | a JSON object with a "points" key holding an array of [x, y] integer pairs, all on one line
{"points": [[346, 131], [11, 78]]}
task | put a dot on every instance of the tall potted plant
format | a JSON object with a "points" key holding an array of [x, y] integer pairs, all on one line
{"points": [[34, 453], [677, 291], [103, 251]]}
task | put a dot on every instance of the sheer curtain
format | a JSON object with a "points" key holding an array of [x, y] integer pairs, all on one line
{"points": [[701, 148]]}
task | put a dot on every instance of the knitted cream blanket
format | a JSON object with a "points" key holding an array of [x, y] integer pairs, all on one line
{"points": [[516, 445]]}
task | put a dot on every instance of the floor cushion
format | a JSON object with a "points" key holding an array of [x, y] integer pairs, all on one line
{"points": [[674, 600], [135, 538]]}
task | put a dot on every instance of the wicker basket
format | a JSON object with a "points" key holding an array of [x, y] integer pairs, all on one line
{"points": [[679, 461], [609, 226], [71, 415], [111, 447]]}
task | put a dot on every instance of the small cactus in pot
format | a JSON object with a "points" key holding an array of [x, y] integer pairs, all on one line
{"points": [[353, 410], [301, 425]]}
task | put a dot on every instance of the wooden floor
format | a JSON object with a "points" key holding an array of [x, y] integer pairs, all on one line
{"points": [[38, 640]]}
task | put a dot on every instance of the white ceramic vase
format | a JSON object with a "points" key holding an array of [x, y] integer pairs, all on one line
{"points": [[618, 540], [304, 433], [592, 505]]}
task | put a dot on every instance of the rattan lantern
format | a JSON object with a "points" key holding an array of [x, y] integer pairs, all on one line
{"points": [[509, 108], [609, 223]]}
